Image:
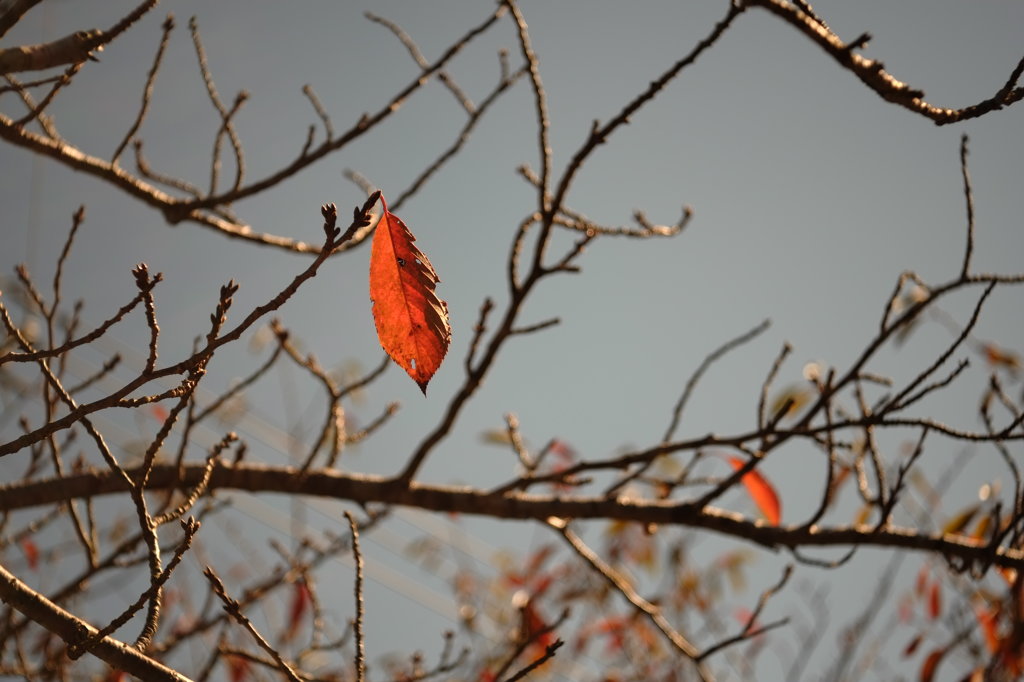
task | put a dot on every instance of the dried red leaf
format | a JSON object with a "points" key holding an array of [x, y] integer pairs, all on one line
{"points": [[935, 601], [912, 645], [238, 668], [761, 491], [931, 664], [299, 608], [562, 450], [539, 558], [31, 550], [613, 628], [535, 630], [412, 322], [906, 609], [921, 583]]}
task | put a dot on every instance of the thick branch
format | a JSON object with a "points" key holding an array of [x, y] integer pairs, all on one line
{"points": [[510, 505]]}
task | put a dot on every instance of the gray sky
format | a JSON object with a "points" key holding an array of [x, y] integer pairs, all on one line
{"points": [[810, 196]]}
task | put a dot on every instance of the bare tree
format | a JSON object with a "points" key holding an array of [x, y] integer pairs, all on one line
{"points": [[136, 511]]}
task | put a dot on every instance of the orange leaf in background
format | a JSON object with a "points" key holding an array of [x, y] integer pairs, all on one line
{"points": [[31, 550], [412, 322], [987, 619], [761, 491], [999, 357]]}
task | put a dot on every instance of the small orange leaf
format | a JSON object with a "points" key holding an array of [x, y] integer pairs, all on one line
{"points": [[761, 491], [412, 322], [1000, 357], [987, 619], [31, 550]]}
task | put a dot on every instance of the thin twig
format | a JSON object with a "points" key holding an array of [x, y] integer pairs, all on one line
{"points": [[357, 558], [540, 103], [233, 608], [622, 585], [147, 90], [714, 356], [969, 200]]}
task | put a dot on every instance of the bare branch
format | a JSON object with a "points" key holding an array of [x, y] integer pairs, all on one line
{"points": [[873, 74], [72, 629], [357, 557]]}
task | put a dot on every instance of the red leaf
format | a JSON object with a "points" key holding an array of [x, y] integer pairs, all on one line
{"points": [[299, 607], [935, 601], [238, 668], [931, 664], [31, 550], [412, 322], [921, 583], [761, 491], [906, 609], [912, 645]]}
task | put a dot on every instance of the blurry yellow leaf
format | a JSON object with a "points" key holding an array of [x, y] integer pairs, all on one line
{"points": [[981, 528], [956, 525], [797, 395], [496, 437]]}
